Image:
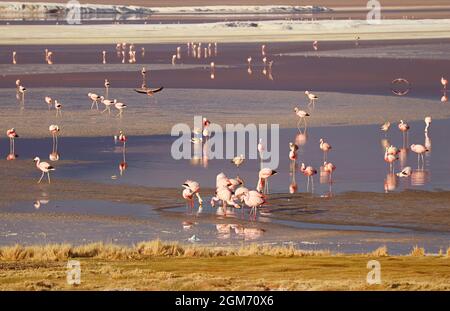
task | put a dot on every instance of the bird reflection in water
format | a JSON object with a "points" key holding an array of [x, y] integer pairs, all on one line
{"points": [[390, 182], [420, 177], [54, 131], [224, 231]]}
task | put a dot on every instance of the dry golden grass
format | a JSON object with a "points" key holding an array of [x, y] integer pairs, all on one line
{"points": [[417, 251], [448, 252], [158, 265], [380, 252], [142, 250]]}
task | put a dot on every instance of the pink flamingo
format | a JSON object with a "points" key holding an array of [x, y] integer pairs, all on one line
{"points": [[95, 99], [293, 148], [54, 130], [261, 149], [309, 172], [427, 121], [420, 150], [404, 128], [444, 82], [329, 168], [44, 167], [188, 195], [12, 134], [302, 116], [390, 158], [49, 102], [406, 172], [195, 189], [58, 107], [254, 200], [225, 195], [325, 147], [312, 98], [263, 175]]}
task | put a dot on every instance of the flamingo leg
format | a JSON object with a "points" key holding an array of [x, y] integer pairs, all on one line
{"points": [[312, 184], [41, 178], [48, 175]]}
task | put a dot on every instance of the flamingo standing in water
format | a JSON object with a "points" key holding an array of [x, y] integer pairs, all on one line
{"points": [[404, 128], [390, 158], [427, 123], [49, 102], [188, 195], [120, 107], [261, 149], [293, 148], [312, 98], [444, 83], [329, 168], [14, 57], [309, 172], [254, 200], [263, 175], [58, 107], [302, 116], [12, 134], [325, 147], [95, 99], [249, 63], [108, 103], [225, 195], [107, 85], [54, 130], [104, 57], [44, 167], [385, 127], [263, 50], [195, 189], [420, 150]]}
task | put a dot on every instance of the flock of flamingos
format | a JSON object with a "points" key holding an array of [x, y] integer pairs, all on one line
{"points": [[229, 191]]}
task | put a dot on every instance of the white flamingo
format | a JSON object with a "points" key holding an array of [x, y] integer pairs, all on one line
{"points": [[44, 167]]}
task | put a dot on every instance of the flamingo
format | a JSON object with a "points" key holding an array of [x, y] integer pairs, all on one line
{"points": [[404, 128], [194, 188], [312, 98], [263, 176], [329, 168], [261, 149], [188, 196], [54, 130], [293, 148], [174, 57], [14, 57], [263, 50], [104, 57], [225, 195], [120, 107], [390, 158], [302, 116], [309, 172], [238, 160], [213, 70], [12, 134], [315, 45], [49, 102], [325, 147], [108, 103], [444, 98], [44, 167], [420, 150], [58, 107], [254, 200], [444, 82], [406, 172], [427, 123], [392, 150], [107, 85], [385, 127], [21, 92], [95, 99]]}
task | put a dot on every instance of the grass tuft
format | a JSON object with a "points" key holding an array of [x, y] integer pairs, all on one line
{"points": [[380, 252], [417, 251]]}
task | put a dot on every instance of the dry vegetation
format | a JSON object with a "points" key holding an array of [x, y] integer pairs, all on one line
{"points": [[158, 265]]}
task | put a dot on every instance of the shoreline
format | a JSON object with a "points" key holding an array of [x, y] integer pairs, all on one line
{"points": [[274, 31]]}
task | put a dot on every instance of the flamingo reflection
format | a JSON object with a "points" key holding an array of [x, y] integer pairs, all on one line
{"points": [[419, 177], [54, 130], [390, 182]]}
